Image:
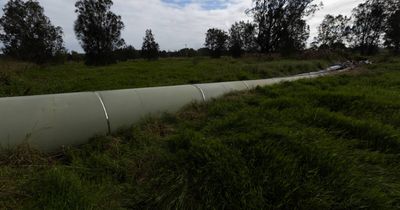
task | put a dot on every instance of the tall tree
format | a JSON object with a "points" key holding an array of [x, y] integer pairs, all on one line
{"points": [[281, 23], [369, 25], [236, 40], [242, 38], [216, 42], [27, 34], [392, 37], [333, 31], [250, 37], [150, 48], [99, 31]]}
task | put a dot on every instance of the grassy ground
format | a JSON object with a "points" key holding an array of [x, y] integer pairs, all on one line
{"points": [[27, 79], [328, 143]]}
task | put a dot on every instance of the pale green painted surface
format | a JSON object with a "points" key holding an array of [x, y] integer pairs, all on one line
{"points": [[215, 90], [126, 107], [49, 122]]}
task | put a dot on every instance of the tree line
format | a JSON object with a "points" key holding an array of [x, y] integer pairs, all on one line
{"points": [[27, 34], [277, 26]]}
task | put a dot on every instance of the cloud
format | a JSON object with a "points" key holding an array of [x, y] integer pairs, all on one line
{"points": [[205, 4], [174, 27], [175, 23]]}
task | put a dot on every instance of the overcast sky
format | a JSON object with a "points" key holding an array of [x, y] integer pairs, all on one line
{"points": [[175, 23]]}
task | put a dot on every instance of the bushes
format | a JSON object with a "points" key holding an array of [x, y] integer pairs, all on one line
{"points": [[5, 78]]}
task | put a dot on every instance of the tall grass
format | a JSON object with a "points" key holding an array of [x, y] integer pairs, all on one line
{"points": [[329, 143], [24, 79]]}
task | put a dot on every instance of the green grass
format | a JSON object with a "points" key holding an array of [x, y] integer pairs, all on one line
{"points": [[328, 143], [27, 79]]}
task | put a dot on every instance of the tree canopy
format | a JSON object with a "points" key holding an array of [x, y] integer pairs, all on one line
{"points": [[150, 48], [242, 38], [369, 25], [392, 37], [278, 26], [333, 31], [216, 42], [27, 34], [99, 30], [281, 24], [125, 53]]}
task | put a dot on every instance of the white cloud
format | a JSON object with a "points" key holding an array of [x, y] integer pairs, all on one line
{"points": [[173, 25]]}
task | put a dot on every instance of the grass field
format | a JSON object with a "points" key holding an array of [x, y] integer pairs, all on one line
{"points": [[27, 79], [328, 143]]}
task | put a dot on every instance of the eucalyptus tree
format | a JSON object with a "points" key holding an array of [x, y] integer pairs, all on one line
{"points": [[281, 24], [99, 31], [242, 38], [28, 34], [333, 31], [369, 25], [392, 36], [216, 42]]}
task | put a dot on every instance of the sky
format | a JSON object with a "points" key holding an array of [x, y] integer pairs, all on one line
{"points": [[176, 24]]}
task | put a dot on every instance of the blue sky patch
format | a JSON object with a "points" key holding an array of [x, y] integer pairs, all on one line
{"points": [[205, 4]]}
